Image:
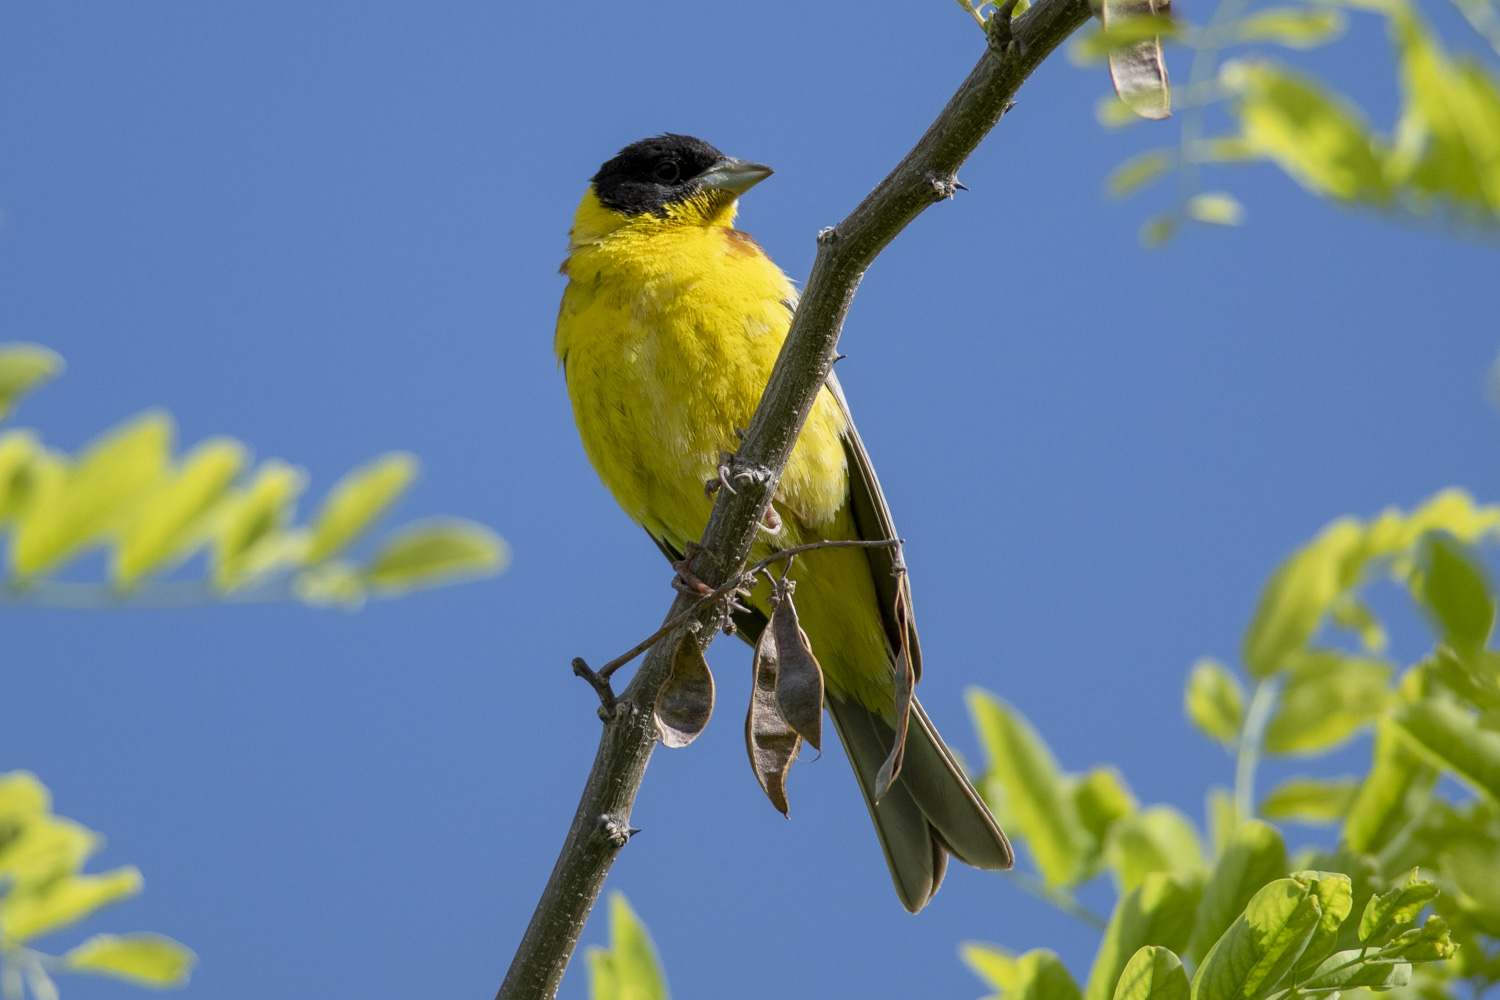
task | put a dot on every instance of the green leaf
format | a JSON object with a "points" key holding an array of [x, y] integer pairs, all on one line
{"points": [[1453, 588], [1328, 697], [1110, 113], [18, 449], [1157, 230], [1298, 594], [1380, 808], [1153, 974], [435, 553], [1448, 138], [44, 848], [1159, 911], [1471, 862], [1469, 677], [1315, 136], [1138, 171], [1254, 856], [1262, 944], [1432, 942], [1036, 975], [1218, 208], [1039, 804], [173, 518], [22, 795], [1353, 614], [1094, 46], [251, 538], [1294, 27], [1214, 701], [991, 963], [1386, 915], [336, 583], [145, 959], [1156, 839], [1102, 798], [629, 968], [1348, 970], [75, 508], [1223, 818], [24, 367], [56, 904], [357, 501], [1310, 800], [1451, 738], [1335, 895]]}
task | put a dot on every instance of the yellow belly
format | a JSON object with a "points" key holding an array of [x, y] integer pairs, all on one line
{"points": [[667, 336]]}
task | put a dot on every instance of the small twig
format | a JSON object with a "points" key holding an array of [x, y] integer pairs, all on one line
{"points": [[600, 685], [1060, 898], [739, 582]]}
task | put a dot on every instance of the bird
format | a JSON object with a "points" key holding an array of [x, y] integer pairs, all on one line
{"points": [[666, 335]]}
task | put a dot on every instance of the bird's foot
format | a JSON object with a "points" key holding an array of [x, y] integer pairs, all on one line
{"points": [[772, 523], [686, 580], [721, 477]]}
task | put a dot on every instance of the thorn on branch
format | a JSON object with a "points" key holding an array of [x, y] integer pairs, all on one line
{"points": [[943, 186], [616, 830], [600, 684]]}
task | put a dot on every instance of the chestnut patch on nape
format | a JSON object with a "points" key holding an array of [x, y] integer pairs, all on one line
{"points": [[743, 243], [649, 175]]}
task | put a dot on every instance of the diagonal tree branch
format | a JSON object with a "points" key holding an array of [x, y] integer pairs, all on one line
{"points": [[927, 174]]}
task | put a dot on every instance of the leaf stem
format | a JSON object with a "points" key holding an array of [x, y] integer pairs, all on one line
{"points": [[1060, 898], [1205, 62], [1251, 743], [164, 594]]}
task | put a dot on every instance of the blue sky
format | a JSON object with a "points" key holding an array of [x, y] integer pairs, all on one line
{"points": [[333, 229]]}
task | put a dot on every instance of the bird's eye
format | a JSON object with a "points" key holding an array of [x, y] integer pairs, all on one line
{"points": [[667, 171]]}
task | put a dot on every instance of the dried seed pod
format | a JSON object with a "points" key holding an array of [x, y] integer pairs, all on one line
{"points": [[686, 700], [799, 678], [1138, 70], [770, 742]]}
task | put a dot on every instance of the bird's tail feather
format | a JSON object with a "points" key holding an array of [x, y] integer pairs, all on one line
{"points": [[930, 812]]}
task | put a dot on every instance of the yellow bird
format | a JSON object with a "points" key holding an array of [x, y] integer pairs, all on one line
{"points": [[667, 333]]}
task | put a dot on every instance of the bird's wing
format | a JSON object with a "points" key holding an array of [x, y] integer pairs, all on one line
{"points": [[872, 517]]}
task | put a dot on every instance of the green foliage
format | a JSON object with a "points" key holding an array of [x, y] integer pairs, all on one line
{"points": [[1440, 158], [43, 889], [1215, 701], [1409, 898], [152, 510], [1037, 975], [24, 367], [629, 968]]}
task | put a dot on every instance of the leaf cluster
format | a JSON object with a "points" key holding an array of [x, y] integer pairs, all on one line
{"points": [[1440, 159], [152, 509], [43, 889], [1408, 900]]}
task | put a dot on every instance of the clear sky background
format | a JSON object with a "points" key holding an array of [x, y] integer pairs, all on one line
{"points": [[333, 229]]}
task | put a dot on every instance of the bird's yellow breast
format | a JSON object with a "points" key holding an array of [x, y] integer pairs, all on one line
{"points": [[668, 331]]}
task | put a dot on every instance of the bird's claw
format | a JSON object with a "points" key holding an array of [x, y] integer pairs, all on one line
{"points": [[686, 580], [721, 479]]}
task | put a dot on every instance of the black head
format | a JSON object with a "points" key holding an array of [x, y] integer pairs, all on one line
{"points": [[649, 175]]}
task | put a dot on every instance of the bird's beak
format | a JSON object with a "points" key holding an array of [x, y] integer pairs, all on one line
{"points": [[734, 176]]}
